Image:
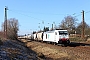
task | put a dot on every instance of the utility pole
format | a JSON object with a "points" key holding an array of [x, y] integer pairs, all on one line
{"points": [[83, 26], [52, 26], [5, 23]]}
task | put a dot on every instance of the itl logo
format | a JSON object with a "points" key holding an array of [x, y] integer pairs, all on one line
{"points": [[48, 35]]}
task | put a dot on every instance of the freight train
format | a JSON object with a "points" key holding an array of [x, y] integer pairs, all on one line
{"points": [[55, 36]]}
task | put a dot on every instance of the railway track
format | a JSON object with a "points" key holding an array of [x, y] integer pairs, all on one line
{"points": [[72, 44]]}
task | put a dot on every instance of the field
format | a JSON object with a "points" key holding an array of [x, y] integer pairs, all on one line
{"points": [[76, 51]]}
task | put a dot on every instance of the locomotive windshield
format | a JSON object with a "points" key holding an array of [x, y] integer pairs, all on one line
{"points": [[63, 32]]}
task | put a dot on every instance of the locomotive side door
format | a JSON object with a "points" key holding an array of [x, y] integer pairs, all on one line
{"points": [[55, 36]]}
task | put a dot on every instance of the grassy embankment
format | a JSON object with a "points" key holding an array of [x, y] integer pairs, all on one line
{"points": [[78, 39]]}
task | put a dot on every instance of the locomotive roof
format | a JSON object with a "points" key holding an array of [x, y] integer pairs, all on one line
{"points": [[55, 30]]}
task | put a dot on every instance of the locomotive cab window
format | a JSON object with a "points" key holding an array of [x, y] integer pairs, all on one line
{"points": [[63, 32]]}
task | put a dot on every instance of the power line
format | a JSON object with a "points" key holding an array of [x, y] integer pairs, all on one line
{"points": [[47, 13], [87, 12], [50, 13], [41, 13], [80, 13], [25, 15]]}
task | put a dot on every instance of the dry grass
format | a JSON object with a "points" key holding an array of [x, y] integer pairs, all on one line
{"points": [[60, 53], [49, 52]]}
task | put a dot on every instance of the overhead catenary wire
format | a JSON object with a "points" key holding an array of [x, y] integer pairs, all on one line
{"points": [[86, 13], [80, 14], [19, 12], [25, 15], [40, 13], [16, 11], [45, 13]]}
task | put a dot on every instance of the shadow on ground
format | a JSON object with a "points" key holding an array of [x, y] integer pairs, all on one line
{"points": [[75, 44]]}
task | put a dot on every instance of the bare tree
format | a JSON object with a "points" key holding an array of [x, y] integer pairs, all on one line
{"points": [[69, 22], [62, 26], [87, 28], [12, 28]]}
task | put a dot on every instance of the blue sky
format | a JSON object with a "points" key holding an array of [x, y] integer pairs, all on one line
{"points": [[32, 12]]}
